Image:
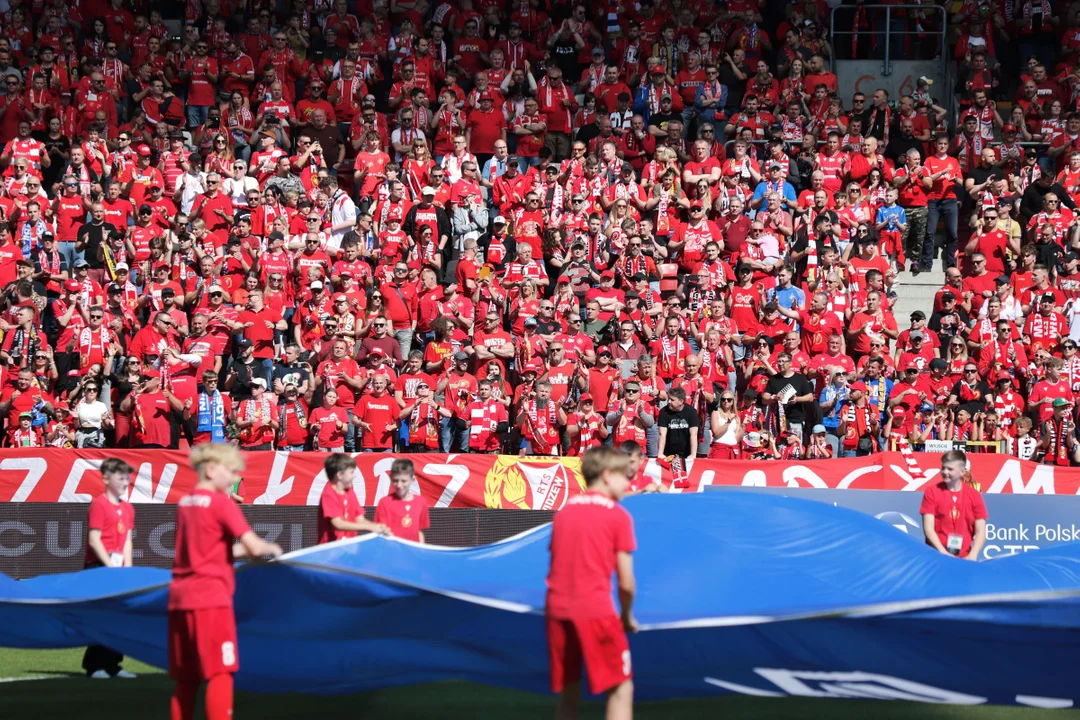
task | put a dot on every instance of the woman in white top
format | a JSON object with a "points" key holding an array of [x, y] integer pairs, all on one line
{"points": [[727, 431], [92, 418], [238, 186]]}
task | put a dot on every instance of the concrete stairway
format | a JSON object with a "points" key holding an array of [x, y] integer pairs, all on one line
{"points": [[916, 293]]}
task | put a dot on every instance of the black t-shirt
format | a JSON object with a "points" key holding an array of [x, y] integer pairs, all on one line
{"points": [[93, 235], [678, 424], [661, 119], [736, 88], [793, 411], [296, 375]]}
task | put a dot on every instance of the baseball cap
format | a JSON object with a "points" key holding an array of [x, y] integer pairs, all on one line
{"points": [[1008, 128], [121, 266], [144, 151], [499, 220], [72, 285], [24, 261], [531, 366], [1048, 297], [563, 280], [261, 382], [428, 190], [602, 350], [168, 292], [244, 344], [938, 364], [598, 50], [859, 385], [585, 397], [1002, 280], [916, 335], [486, 96], [26, 414], [316, 285], [461, 356], [911, 366], [607, 275], [947, 297], [918, 315], [1061, 402], [81, 262], [818, 430], [216, 290], [531, 321], [377, 352], [925, 407]]}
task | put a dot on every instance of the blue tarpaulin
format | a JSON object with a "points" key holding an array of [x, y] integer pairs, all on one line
{"points": [[738, 592]]}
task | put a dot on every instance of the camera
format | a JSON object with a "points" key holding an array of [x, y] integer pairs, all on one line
{"points": [[272, 120]]}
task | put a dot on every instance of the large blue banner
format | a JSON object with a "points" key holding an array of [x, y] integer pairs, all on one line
{"points": [[1017, 524], [739, 592]]}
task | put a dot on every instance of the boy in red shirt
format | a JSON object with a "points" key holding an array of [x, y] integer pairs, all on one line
{"points": [[953, 512], [340, 513], [591, 538], [108, 544], [202, 628], [403, 512]]}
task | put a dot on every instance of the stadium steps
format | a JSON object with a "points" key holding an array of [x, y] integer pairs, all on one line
{"points": [[916, 293]]}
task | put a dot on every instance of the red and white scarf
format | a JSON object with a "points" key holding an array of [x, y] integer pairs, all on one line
{"points": [[88, 343]]}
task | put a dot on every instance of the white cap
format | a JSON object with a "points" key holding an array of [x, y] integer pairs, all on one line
{"points": [[316, 284], [259, 381], [122, 266], [499, 219], [428, 190]]}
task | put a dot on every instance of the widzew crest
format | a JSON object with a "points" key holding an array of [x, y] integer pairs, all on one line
{"points": [[531, 483]]}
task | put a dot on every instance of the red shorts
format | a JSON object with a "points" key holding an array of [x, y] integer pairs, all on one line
{"points": [[601, 642], [202, 644]]}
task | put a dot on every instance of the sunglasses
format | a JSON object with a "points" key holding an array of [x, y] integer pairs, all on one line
{"points": [[632, 390]]}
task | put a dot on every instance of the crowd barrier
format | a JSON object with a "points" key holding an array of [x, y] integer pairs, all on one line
{"points": [[489, 481]]}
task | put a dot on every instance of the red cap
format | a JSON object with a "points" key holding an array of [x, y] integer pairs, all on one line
{"points": [[486, 96], [1008, 127], [607, 274], [161, 266], [860, 385], [899, 410], [143, 150], [603, 349], [531, 366], [911, 366], [72, 285], [563, 280], [377, 351], [585, 397]]}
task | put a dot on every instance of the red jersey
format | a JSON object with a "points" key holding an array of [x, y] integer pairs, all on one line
{"points": [[954, 513], [586, 538], [406, 518], [381, 414], [207, 525], [115, 522], [333, 504]]}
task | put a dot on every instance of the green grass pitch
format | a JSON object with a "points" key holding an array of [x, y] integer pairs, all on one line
{"points": [[66, 694]]}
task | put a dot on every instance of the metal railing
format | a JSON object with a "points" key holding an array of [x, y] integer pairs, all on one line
{"points": [[891, 12]]}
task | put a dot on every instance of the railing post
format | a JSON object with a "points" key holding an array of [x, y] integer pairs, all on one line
{"points": [[886, 69]]}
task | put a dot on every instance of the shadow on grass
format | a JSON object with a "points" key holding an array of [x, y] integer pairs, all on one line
{"points": [[148, 697]]}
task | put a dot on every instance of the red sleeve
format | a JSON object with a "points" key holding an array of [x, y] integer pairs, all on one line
{"points": [[229, 515], [96, 521], [382, 516], [979, 506], [330, 505], [929, 502]]}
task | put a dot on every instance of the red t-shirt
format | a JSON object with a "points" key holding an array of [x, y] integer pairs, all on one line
{"points": [[587, 535], [207, 525], [333, 504], [261, 337], [405, 518], [379, 413], [954, 513], [325, 421], [114, 522], [155, 411]]}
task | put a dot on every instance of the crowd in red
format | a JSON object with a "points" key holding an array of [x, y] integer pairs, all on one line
{"points": [[527, 227]]}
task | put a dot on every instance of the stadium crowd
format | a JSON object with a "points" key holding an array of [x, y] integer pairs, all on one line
{"points": [[533, 227]]}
